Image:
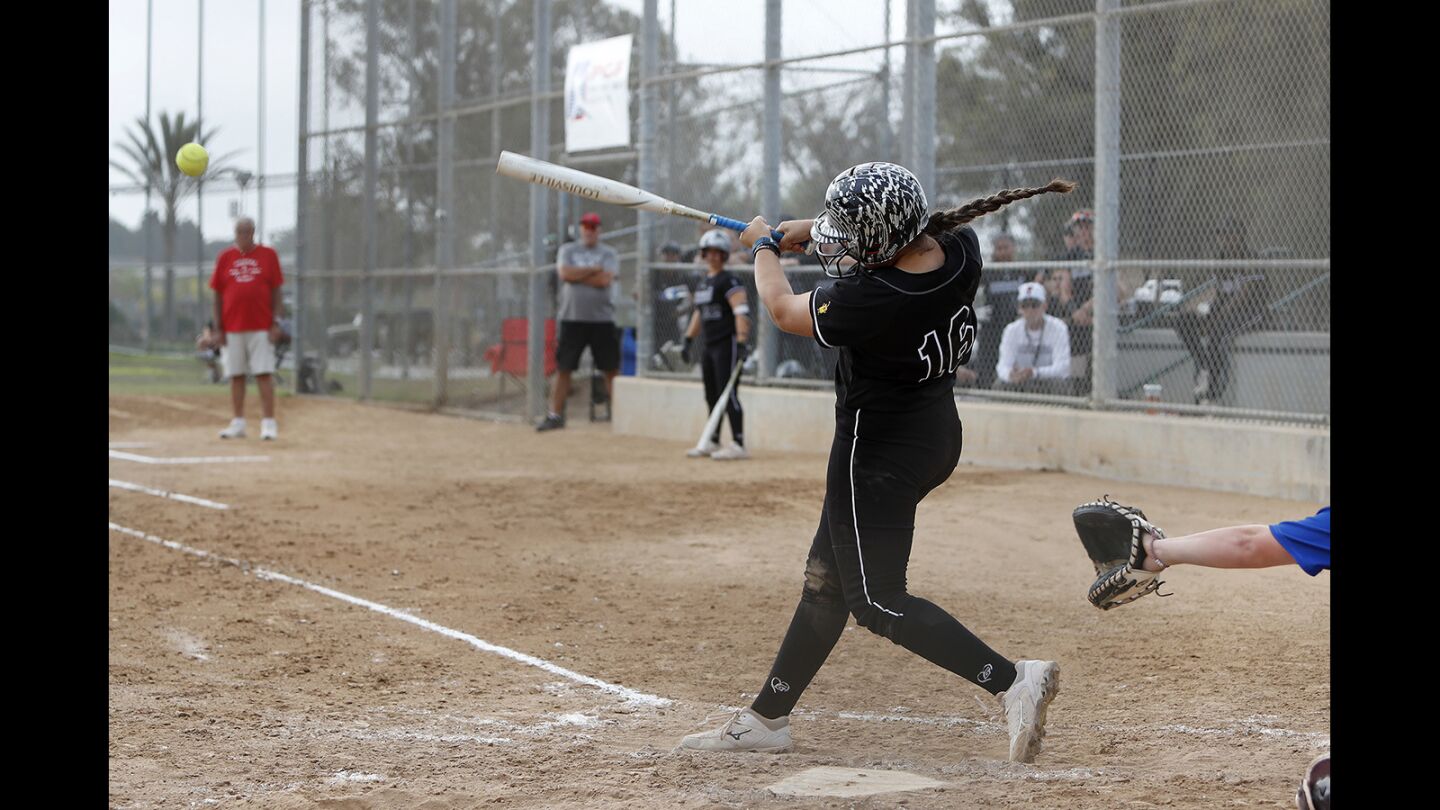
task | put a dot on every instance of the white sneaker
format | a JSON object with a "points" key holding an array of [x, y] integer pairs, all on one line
{"points": [[235, 431], [1024, 705], [703, 450], [743, 732], [1202, 384], [269, 431], [734, 452]]}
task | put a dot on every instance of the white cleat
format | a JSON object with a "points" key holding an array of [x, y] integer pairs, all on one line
{"points": [[269, 431], [235, 431], [744, 732], [734, 452], [703, 450], [1024, 705], [1202, 384]]}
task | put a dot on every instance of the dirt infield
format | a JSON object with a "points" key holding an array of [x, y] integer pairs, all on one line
{"points": [[621, 560]]}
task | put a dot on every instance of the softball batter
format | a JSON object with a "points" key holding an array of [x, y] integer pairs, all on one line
{"points": [[722, 316], [901, 313]]}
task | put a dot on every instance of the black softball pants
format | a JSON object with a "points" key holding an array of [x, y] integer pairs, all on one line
{"points": [[881, 466], [715, 366]]}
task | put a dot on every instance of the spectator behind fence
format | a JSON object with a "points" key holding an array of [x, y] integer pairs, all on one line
{"points": [[247, 283], [207, 349], [1238, 303], [587, 271], [670, 253], [1002, 288], [1071, 290], [1034, 349]]}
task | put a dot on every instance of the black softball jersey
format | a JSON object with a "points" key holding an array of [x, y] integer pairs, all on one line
{"points": [[901, 335]]}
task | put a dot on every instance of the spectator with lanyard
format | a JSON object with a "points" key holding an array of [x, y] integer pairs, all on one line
{"points": [[1035, 348]]}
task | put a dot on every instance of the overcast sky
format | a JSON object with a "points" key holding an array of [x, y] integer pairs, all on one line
{"points": [[731, 32]]}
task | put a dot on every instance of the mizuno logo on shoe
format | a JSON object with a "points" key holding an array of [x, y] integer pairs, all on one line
{"points": [[777, 685], [737, 736]]}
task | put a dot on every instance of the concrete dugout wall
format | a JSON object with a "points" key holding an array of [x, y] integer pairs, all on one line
{"points": [[1279, 461]]}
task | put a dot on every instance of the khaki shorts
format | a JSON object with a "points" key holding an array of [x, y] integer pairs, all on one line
{"points": [[248, 353]]}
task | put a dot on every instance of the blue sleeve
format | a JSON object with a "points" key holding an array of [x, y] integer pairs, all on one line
{"points": [[1307, 540]]}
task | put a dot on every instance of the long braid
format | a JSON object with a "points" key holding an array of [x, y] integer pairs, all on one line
{"points": [[955, 217]]}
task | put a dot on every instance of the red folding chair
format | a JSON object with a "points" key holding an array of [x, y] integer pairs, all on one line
{"points": [[509, 358]]}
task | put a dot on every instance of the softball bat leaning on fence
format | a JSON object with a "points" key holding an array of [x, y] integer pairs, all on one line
{"points": [[719, 410], [605, 190]]}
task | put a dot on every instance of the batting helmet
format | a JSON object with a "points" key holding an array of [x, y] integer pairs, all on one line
{"points": [[717, 238], [871, 211]]}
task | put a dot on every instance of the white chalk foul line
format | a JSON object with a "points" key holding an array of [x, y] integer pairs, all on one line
{"points": [[174, 496], [123, 456], [1249, 726], [128, 445], [539, 663]]}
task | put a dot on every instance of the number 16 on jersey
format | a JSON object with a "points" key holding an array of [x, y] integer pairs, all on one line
{"points": [[945, 353]]}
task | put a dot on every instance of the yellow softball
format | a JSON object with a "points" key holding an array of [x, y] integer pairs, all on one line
{"points": [[192, 159]]}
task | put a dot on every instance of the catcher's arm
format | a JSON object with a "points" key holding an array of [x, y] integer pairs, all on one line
{"points": [[1249, 546]]}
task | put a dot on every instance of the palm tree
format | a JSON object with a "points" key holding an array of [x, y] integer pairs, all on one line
{"points": [[153, 162]]}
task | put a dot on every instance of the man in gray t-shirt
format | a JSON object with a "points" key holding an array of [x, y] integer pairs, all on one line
{"points": [[588, 273]]}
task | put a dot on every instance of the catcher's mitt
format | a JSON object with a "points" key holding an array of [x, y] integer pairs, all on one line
{"points": [[1112, 534]]}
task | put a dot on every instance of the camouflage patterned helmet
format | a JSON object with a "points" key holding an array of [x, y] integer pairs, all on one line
{"points": [[871, 211]]}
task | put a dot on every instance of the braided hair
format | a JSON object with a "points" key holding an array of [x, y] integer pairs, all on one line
{"points": [[955, 217]]}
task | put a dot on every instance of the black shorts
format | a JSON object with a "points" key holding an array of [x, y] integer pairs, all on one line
{"points": [[602, 338]]}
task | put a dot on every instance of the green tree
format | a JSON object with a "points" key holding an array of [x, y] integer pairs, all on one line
{"points": [[152, 160], [823, 133], [407, 153], [1224, 112]]}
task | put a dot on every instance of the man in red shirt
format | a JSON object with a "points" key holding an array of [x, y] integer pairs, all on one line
{"points": [[247, 307]]}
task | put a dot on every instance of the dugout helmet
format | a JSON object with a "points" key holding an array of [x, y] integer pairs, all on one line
{"points": [[717, 238], [871, 211]]}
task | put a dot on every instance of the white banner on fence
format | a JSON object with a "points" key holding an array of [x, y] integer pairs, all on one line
{"points": [[597, 95]]}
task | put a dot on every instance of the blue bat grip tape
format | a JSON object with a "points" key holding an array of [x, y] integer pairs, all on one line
{"points": [[737, 225], [732, 224]]}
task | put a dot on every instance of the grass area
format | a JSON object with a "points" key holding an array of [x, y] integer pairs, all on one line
{"points": [[172, 376], [163, 376], [390, 390]]}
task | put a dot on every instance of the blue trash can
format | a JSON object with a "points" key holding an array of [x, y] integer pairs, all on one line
{"points": [[627, 352]]}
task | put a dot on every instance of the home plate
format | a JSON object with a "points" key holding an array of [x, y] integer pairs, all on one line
{"points": [[849, 782]]}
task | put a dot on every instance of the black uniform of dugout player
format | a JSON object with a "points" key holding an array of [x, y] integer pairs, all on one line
{"points": [[722, 320], [901, 315]]}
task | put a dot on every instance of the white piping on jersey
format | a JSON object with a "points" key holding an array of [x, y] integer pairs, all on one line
{"points": [[815, 319], [855, 516], [954, 276], [942, 284]]}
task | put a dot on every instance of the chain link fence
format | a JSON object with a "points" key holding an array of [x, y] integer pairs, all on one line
{"points": [[1197, 130], [190, 301]]}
